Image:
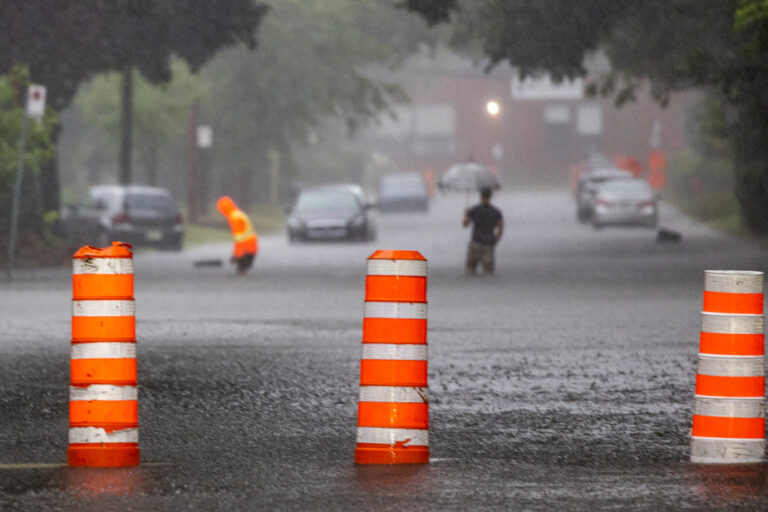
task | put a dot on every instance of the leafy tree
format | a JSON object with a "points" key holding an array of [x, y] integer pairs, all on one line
{"points": [[676, 44], [38, 151], [159, 128], [274, 98], [66, 43]]}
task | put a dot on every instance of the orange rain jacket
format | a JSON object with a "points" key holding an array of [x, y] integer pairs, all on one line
{"points": [[246, 241]]}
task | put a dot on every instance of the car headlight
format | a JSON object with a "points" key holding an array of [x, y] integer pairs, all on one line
{"points": [[647, 209], [294, 223]]}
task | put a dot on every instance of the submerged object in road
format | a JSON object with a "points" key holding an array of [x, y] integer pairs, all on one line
{"points": [[209, 263], [393, 410], [664, 235], [729, 408]]}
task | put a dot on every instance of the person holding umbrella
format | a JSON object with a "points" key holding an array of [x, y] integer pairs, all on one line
{"points": [[487, 228]]}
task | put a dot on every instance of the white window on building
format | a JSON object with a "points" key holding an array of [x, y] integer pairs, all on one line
{"points": [[589, 120], [557, 114]]}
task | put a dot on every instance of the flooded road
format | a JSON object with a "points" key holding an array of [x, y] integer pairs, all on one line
{"points": [[565, 381]]}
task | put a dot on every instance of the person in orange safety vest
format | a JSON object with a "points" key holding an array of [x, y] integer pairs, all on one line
{"points": [[246, 241]]}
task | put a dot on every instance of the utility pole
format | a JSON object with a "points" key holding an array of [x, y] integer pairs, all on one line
{"points": [[192, 166], [126, 125]]}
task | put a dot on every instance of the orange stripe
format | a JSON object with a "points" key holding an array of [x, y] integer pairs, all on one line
{"points": [[102, 286], [103, 455], [739, 428], [119, 372], [395, 330], [370, 453], [103, 328], [714, 385], [732, 344], [381, 372], [392, 415], [739, 303], [396, 288], [104, 413]]}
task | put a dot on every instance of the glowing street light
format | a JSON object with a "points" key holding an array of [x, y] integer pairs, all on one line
{"points": [[493, 108]]}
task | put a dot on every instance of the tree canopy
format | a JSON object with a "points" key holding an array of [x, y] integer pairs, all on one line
{"points": [[259, 102], [675, 44], [65, 43]]}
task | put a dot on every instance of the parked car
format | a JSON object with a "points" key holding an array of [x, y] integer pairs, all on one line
{"points": [[587, 185], [141, 216], [403, 192], [625, 203], [332, 212]]}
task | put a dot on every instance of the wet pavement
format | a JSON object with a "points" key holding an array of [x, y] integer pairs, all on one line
{"points": [[565, 381]]}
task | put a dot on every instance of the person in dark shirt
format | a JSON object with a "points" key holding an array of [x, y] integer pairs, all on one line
{"points": [[487, 227]]}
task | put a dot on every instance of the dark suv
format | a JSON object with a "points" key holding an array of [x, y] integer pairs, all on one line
{"points": [[141, 216]]}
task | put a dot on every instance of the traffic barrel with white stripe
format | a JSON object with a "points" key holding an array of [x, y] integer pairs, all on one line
{"points": [[729, 406], [103, 402], [393, 409]]}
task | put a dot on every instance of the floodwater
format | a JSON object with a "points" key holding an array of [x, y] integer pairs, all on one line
{"points": [[565, 381]]}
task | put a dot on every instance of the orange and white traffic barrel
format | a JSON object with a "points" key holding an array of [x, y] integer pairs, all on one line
{"points": [[103, 402], [393, 409], [729, 405]]}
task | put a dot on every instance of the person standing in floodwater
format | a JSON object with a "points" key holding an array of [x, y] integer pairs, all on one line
{"points": [[246, 242], [487, 228]]}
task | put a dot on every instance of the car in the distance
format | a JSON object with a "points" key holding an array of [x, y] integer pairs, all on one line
{"points": [[625, 203], [588, 184], [331, 212], [403, 192], [139, 215]]}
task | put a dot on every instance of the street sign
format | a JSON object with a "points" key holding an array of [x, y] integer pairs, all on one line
{"points": [[204, 136], [35, 101]]}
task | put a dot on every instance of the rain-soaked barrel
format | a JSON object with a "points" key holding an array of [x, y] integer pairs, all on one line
{"points": [[729, 402]]}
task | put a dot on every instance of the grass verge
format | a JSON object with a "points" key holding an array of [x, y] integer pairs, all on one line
{"points": [[213, 228]]}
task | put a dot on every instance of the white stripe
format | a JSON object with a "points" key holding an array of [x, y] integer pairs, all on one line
{"points": [[739, 439], [733, 281], [102, 392], [99, 435], [394, 351], [102, 266], [729, 407], [104, 350], [416, 268], [103, 308], [732, 324], [391, 436], [409, 395], [410, 310], [753, 366]]}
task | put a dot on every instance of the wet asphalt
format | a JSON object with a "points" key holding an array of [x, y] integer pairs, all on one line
{"points": [[563, 382]]}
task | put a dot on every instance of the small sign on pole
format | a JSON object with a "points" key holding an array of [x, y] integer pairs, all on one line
{"points": [[204, 136], [36, 101], [35, 109]]}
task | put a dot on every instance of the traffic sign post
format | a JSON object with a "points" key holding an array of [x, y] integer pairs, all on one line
{"points": [[35, 108]]}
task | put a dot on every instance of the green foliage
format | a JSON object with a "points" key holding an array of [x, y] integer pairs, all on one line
{"points": [[160, 116], [275, 97], [64, 43], [702, 187], [38, 150]]}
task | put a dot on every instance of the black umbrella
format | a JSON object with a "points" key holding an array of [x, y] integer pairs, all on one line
{"points": [[468, 177]]}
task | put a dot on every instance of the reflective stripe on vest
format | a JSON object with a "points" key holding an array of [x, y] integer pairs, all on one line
{"points": [[246, 233]]}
